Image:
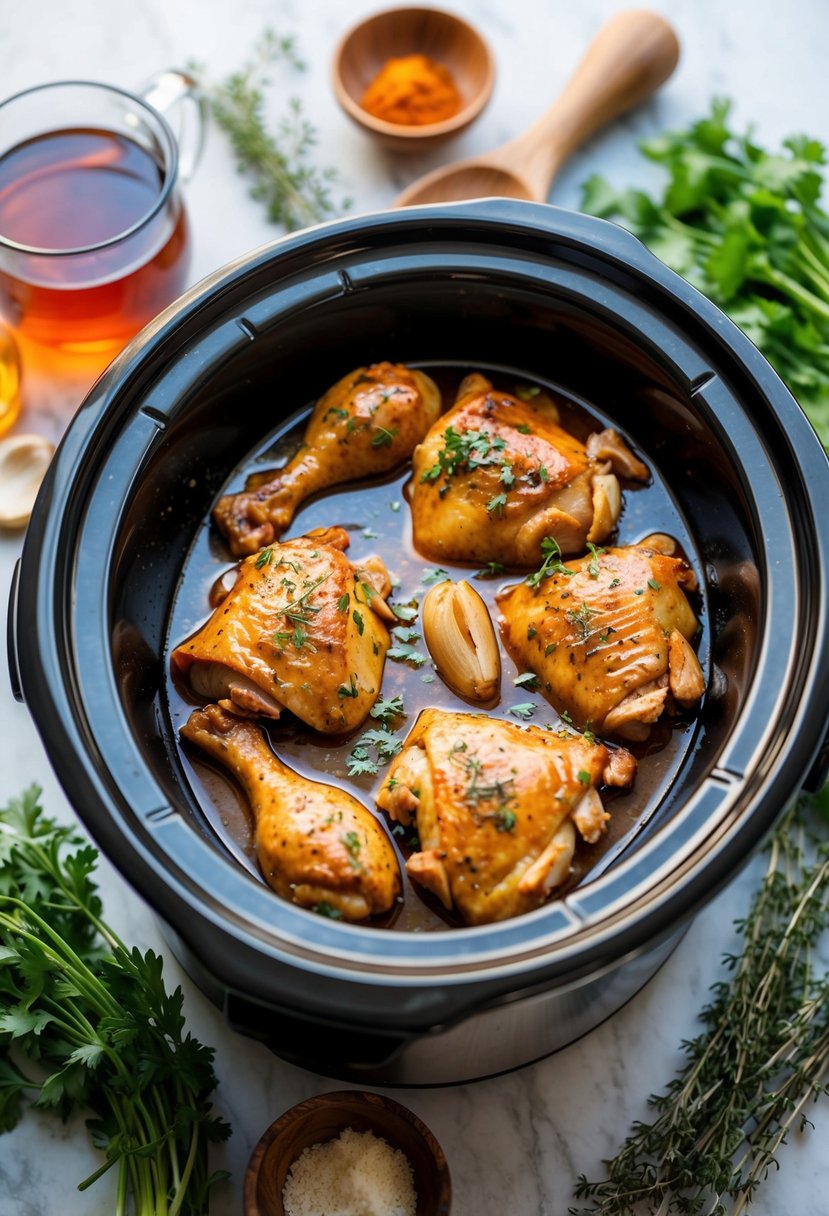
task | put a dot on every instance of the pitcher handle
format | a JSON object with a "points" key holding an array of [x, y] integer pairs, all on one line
{"points": [[175, 90]]}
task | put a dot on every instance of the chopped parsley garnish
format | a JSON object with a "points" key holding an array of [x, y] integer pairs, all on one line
{"points": [[407, 654], [368, 591], [583, 777], [352, 845], [323, 908], [348, 690], [548, 649], [395, 506], [300, 639], [383, 437], [525, 709], [593, 564], [507, 475], [434, 575], [528, 680], [523, 429], [370, 534], [342, 603], [552, 563], [386, 709], [490, 570], [357, 618], [337, 412], [496, 504], [265, 558], [386, 745], [405, 633], [404, 612], [466, 450], [531, 632], [654, 585]]}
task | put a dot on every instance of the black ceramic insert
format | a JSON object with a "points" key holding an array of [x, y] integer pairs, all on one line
{"points": [[558, 296]]}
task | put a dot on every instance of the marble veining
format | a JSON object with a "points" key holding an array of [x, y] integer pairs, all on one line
{"points": [[515, 1144]]}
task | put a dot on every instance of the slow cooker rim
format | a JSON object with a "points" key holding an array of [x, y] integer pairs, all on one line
{"points": [[40, 697]]}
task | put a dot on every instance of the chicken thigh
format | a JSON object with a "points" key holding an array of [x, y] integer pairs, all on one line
{"points": [[497, 474], [300, 629], [497, 808], [317, 846], [608, 636], [368, 423]]}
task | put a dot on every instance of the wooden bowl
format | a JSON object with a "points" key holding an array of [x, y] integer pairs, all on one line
{"points": [[365, 48], [324, 1118]]}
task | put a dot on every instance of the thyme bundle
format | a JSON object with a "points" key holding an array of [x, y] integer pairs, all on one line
{"points": [[295, 192], [762, 1059]]}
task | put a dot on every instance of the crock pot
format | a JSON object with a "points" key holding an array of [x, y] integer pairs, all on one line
{"points": [[133, 482]]}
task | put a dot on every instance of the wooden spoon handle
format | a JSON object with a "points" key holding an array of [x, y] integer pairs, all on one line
{"points": [[627, 60]]}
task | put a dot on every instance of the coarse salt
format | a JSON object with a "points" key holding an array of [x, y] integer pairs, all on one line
{"points": [[358, 1174]]}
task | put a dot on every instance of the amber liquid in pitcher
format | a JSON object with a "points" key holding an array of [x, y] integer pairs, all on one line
{"points": [[70, 189]]}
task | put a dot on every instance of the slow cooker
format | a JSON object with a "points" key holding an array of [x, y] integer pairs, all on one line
{"points": [[135, 477]]}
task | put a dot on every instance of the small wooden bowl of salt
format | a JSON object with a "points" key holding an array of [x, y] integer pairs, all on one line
{"points": [[350, 1153]]}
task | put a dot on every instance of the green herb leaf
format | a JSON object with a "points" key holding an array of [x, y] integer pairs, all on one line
{"points": [[525, 709], [407, 654], [436, 575], [404, 612], [277, 163], [490, 570], [552, 563], [383, 437], [528, 680], [386, 709]]}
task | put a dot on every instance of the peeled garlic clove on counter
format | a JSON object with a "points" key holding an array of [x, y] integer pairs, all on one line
{"points": [[459, 633], [24, 460]]}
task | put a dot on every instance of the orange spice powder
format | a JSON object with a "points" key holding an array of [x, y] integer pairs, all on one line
{"points": [[412, 90]]}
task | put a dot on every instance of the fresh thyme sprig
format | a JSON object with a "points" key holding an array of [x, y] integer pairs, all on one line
{"points": [[295, 192], [762, 1059]]}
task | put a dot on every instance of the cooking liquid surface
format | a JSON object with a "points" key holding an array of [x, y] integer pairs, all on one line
{"points": [[377, 517], [67, 189]]}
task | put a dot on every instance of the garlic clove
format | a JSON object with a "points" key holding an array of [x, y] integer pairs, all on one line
{"points": [[460, 636], [24, 460]]}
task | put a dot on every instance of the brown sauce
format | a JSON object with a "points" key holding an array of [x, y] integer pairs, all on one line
{"points": [[377, 518]]}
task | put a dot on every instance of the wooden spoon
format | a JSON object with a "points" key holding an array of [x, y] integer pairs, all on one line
{"points": [[628, 59]]}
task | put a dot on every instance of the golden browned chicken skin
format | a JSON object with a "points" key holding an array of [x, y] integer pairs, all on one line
{"points": [[497, 808], [368, 423], [317, 846], [608, 636], [300, 629], [497, 474]]}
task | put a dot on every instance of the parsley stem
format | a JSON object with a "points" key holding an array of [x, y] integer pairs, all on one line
{"points": [[776, 278]]}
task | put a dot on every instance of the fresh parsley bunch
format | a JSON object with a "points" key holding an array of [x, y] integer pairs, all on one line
{"points": [[87, 1023], [746, 227]]}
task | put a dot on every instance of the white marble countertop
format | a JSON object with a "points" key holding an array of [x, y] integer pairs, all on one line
{"points": [[516, 1143]]}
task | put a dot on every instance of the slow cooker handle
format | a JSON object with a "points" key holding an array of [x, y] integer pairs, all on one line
{"points": [[11, 635], [300, 1037]]}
